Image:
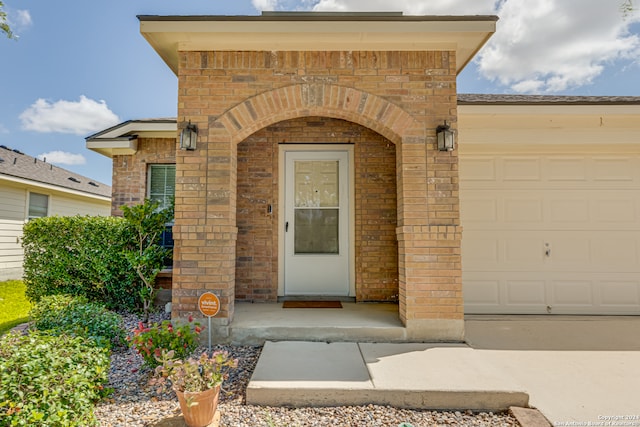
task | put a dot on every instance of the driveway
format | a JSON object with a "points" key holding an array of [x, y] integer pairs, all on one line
{"points": [[577, 370]]}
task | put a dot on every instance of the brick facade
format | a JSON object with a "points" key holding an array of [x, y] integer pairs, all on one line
{"points": [[130, 171], [234, 97]]}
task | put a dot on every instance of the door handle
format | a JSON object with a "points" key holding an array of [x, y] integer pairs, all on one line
{"points": [[286, 226]]}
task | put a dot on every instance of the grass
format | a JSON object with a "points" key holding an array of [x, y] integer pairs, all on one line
{"points": [[14, 306]]}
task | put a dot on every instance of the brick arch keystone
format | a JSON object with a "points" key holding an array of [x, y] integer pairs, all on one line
{"points": [[316, 99]]}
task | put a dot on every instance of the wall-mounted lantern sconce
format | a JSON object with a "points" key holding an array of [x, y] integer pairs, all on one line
{"points": [[445, 136], [188, 137]]}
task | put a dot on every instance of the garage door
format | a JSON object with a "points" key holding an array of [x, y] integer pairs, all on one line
{"points": [[547, 232]]}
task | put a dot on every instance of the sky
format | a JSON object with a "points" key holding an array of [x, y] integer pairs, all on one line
{"points": [[79, 67]]}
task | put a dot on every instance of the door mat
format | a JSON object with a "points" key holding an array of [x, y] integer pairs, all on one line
{"points": [[312, 304]]}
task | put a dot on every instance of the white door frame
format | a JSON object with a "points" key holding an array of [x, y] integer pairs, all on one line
{"points": [[283, 148]]}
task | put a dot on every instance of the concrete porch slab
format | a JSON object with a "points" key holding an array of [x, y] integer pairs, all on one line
{"points": [[401, 375], [253, 324]]}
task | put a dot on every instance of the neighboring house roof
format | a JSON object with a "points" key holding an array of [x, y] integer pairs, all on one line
{"points": [[17, 166], [490, 99]]}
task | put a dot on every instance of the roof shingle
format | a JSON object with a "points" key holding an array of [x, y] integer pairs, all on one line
{"points": [[493, 99], [13, 163]]}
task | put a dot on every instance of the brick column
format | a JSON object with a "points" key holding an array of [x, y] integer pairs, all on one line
{"points": [[429, 239], [205, 231]]}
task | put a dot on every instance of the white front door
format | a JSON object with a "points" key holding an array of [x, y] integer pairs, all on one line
{"points": [[316, 223]]}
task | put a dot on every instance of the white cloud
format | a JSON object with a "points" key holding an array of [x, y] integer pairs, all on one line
{"points": [[409, 7], [540, 46], [18, 19], [22, 18], [78, 117], [63, 158], [3, 129], [265, 4], [554, 45], [283, 5]]}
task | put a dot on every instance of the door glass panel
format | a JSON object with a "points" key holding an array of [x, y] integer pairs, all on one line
{"points": [[316, 231], [316, 186]]}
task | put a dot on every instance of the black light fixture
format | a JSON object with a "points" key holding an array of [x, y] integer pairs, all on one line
{"points": [[445, 135], [188, 137]]}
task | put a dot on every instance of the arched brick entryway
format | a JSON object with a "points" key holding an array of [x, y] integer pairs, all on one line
{"points": [[428, 231], [326, 100], [260, 213]]}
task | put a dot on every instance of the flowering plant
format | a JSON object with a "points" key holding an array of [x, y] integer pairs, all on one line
{"points": [[193, 374], [151, 341]]}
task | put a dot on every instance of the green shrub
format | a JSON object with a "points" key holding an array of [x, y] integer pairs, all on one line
{"points": [[75, 316], [80, 255], [50, 380], [150, 341], [146, 256]]}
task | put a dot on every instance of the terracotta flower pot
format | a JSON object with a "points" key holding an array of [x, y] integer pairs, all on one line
{"points": [[199, 408]]}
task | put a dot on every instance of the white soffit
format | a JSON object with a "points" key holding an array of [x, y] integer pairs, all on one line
{"points": [[532, 116], [463, 34], [122, 139], [568, 129]]}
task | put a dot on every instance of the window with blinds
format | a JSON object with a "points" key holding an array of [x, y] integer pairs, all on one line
{"points": [[38, 205], [162, 184], [162, 188]]}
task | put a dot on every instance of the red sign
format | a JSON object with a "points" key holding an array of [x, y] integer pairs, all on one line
{"points": [[209, 304]]}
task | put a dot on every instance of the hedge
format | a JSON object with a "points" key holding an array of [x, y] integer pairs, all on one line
{"points": [[80, 255], [73, 315], [50, 380]]}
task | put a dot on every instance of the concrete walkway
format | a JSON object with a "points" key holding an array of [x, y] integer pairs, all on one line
{"points": [[576, 371], [402, 375]]}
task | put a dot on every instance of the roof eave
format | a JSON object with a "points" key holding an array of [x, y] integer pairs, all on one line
{"points": [[53, 187], [463, 34], [114, 146], [122, 139]]}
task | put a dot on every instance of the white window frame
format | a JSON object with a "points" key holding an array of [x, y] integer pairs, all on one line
{"points": [[149, 173], [48, 207], [165, 198]]}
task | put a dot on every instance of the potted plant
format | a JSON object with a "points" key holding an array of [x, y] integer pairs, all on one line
{"points": [[196, 382]]}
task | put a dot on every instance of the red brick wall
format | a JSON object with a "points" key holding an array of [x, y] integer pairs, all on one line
{"points": [[129, 183], [376, 250]]}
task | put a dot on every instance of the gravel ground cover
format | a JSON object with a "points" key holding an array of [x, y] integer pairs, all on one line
{"points": [[134, 403]]}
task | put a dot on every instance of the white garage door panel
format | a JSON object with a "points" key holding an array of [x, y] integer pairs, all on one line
{"points": [[532, 293], [568, 251], [551, 233], [621, 294], [549, 171], [551, 209]]}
